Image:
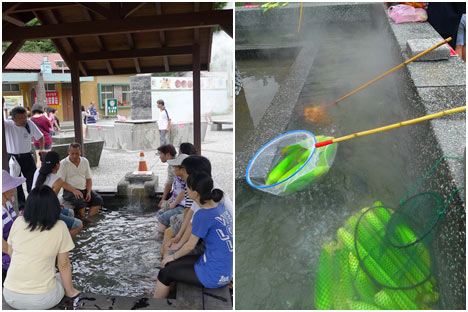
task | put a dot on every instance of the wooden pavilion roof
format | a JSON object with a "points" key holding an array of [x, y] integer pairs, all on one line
{"points": [[113, 38]]}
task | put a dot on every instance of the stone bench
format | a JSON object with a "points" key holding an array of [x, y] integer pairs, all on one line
{"points": [[218, 125], [187, 297]]}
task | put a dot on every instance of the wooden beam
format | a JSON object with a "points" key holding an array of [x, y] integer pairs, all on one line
{"points": [[98, 41], [157, 69], [10, 52], [140, 24], [56, 42], [162, 37], [38, 6], [196, 31], [196, 97], [76, 95], [131, 44], [97, 8], [130, 8], [8, 7], [125, 54], [109, 67], [115, 9], [137, 65], [13, 20]]}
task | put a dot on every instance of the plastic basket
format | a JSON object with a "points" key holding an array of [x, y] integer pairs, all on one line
{"points": [[289, 163]]}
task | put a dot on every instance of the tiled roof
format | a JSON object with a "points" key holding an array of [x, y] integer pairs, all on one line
{"points": [[33, 61]]}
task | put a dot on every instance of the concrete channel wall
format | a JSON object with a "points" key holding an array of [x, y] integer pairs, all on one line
{"points": [[140, 135], [429, 87]]}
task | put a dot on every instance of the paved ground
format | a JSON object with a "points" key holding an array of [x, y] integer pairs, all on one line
{"points": [[217, 147]]}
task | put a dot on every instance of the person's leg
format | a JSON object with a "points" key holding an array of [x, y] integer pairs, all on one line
{"points": [[168, 234], [161, 290], [38, 159], [95, 204], [464, 53], [164, 218], [78, 203], [28, 167], [74, 225], [181, 270], [68, 212], [459, 50], [161, 227], [76, 230], [162, 137]]}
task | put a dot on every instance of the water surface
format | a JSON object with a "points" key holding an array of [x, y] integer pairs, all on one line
{"points": [[279, 239], [119, 254]]}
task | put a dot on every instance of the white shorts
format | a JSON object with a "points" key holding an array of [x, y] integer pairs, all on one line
{"points": [[36, 301]]}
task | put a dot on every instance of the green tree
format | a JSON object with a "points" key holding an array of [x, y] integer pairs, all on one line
{"points": [[39, 46]]}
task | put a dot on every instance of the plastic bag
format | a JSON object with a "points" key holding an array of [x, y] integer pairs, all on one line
{"points": [[15, 168], [404, 14]]}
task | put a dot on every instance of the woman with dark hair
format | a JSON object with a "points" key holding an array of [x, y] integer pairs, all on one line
{"points": [[212, 223], [43, 125], [188, 149], [183, 230], [37, 240], [47, 175]]}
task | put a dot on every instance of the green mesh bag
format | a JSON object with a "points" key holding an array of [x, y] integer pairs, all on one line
{"points": [[388, 250]]}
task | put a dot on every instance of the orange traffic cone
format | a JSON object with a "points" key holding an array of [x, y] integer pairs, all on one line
{"points": [[142, 164]]}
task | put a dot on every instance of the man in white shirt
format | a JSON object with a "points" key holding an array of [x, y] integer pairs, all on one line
{"points": [[164, 122], [75, 171], [18, 133]]}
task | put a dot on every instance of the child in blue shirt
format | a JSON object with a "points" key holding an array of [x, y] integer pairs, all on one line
{"points": [[213, 224]]}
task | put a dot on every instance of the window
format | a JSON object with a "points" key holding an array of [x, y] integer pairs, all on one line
{"points": [[10, 87], [121, 92], [50, 87], [126, 99], [107, 92]]}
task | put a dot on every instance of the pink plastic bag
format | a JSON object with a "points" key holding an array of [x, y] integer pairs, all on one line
{"points": [[403, 13]]}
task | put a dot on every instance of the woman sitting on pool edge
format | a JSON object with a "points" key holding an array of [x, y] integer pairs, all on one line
{"points": [[47, 175], [36, 242], [213, 224]]}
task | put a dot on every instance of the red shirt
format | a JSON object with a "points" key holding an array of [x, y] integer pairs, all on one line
{"points": [[43, 125]]}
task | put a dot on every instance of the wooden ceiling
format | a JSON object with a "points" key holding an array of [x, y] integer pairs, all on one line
{"points": [[112, 38]]}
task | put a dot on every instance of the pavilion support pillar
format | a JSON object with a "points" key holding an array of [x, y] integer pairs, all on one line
{"points": [[5, 165], [196, 97], [76, 100]]}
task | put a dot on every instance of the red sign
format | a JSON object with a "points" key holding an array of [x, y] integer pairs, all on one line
{"points": [[52, 98]]}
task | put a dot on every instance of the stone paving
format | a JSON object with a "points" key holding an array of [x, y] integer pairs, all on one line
{"points": [[217, 147]]}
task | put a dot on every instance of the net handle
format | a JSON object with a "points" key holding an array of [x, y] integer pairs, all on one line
{"points": [[391, 70], [392, 126]]}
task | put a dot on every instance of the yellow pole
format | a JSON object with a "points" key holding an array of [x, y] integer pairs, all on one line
{"points": [[300, 18], [392, 70], [393, 126]]}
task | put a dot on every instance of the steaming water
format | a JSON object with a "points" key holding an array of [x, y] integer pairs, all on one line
{"points": [[278, 239], [118, 254]]}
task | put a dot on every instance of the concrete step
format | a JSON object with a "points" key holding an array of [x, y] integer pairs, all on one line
{"points": [[187, 298]]}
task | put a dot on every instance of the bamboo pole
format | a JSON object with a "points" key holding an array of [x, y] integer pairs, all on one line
{"points": [[392, 126], [391, 71]]}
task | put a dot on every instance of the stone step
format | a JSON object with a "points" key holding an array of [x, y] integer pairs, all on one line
{"points": [[187, 297]]}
